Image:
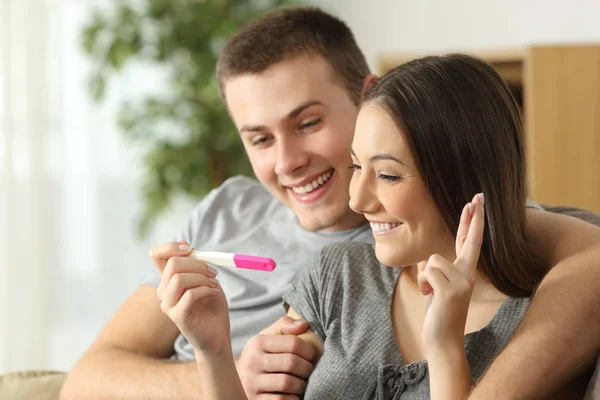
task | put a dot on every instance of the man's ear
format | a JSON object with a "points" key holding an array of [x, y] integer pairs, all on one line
{"points": [[367, 83]]}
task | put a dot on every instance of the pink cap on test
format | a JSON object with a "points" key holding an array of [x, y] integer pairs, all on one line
{"points": [[253, 262]]}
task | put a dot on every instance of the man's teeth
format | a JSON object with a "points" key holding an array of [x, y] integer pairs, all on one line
{"points": [[309, 187], [383, 227]]}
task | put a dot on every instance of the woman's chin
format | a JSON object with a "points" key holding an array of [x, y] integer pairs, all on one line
{"points": [[389, 257]]}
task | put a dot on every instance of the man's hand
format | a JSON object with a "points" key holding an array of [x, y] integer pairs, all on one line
{"points": [[276, 363]]}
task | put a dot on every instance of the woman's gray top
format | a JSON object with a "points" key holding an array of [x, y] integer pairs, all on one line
{"points": [[345, 295]]}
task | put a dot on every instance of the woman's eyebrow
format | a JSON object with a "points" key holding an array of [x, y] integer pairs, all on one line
{"points": [[380, 157]]}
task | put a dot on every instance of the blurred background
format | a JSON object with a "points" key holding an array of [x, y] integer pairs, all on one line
{"points": [[111, 129]]}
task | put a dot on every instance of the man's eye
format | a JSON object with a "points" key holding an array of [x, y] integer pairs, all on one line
{"points": [[260, 141], [310, 124]]}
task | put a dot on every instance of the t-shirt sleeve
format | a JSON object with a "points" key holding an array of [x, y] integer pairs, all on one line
{"points": [[314, 295], [532, 204], [303, 296]]}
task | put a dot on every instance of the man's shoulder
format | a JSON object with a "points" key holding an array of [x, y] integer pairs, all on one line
{"points": [[238, 205], [243, 187], [237, 196]]}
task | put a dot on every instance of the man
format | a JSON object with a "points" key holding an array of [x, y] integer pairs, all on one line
{"points": [[292, 82]]}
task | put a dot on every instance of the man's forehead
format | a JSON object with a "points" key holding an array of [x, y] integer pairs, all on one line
{"points": [[293, 76], [269, 105]]}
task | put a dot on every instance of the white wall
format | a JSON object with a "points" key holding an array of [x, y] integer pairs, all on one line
{"points": [[388, 26]]}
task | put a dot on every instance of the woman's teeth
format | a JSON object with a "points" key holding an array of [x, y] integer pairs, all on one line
{"points": [[380, 227]]}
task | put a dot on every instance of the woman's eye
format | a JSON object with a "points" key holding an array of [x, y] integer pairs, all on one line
{"points": [[354, 167], [389, 178]]}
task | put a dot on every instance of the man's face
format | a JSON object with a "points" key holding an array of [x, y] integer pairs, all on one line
{"points": [[297, 123]]}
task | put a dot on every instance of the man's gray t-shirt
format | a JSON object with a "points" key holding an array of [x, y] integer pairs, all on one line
{"points": [[346, 295], [242, 217]]}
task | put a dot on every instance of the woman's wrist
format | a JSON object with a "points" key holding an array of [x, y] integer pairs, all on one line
{"points": [[207, 359], [449, 372], [447, 352], [220, 379]]}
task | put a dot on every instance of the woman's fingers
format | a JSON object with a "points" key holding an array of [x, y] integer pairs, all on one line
{"points": [[468, 258], [453, 280], [424, 286], [463, 227], [181, 312], [161, 253], [180, 283], [433, 277], [179, 265]]}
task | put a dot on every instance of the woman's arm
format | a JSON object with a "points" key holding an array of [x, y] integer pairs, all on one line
{"points": [[450, 373], [449, 286], [220, 377], [559, 337]]}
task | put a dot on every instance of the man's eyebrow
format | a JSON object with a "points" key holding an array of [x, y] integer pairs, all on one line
{"points": [[252, 128], [296, 111], [381, 157], [291, 115]]}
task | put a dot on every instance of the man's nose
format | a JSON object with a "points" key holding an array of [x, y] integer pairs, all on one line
{"points": [[291, 156]]}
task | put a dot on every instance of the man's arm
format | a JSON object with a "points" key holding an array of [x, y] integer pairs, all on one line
{"points": [[559, 337], [128, 360]]}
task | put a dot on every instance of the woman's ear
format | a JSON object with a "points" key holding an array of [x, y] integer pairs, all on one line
{"points": [[367, 83]]}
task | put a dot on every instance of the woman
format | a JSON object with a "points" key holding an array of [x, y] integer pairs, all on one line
{"points": [[424, 312]]}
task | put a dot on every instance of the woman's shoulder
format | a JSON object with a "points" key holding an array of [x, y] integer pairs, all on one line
{"points": [[345, 255], [353, 264], [350, 250]]}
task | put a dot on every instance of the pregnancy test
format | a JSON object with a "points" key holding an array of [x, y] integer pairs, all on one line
{"points": [[235, 260]]}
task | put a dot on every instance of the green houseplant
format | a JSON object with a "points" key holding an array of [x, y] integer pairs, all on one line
{"points": [[185, 37]]}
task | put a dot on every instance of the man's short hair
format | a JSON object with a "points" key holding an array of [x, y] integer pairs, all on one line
{"points": [[290, 32]]}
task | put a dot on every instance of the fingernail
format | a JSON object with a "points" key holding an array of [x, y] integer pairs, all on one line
{"points": [[185, 247], [213, 271], [298, 321], [471, 208], [215, 281], [216, 290], [481, 199]]}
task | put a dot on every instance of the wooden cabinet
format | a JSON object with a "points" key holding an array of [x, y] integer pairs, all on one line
{"points": [[559, 87]]}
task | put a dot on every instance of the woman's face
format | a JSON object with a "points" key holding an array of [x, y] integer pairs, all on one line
{"points": [[387, 189]]}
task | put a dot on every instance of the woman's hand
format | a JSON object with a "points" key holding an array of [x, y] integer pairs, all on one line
{"points": [[449, 284], [192, 297]]}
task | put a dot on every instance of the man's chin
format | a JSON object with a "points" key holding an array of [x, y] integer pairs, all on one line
{"points": [[314, 222], [327, 221]]}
